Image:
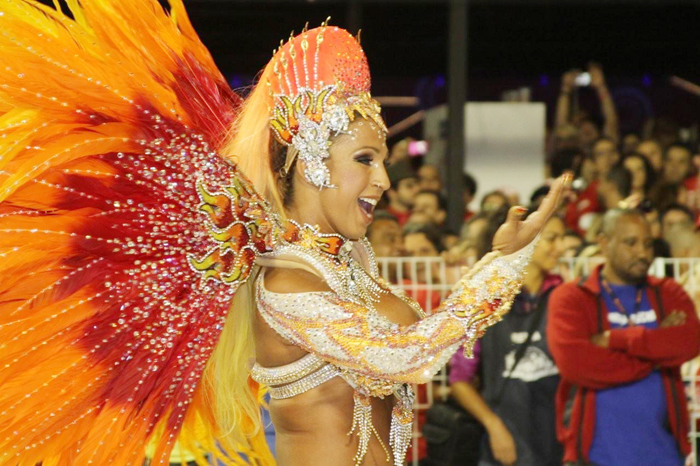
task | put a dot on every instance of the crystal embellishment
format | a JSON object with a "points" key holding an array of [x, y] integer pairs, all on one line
{"points": [[313, 142]]}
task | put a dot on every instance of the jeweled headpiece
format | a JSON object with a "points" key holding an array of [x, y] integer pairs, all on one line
{"points": [[319, 80]]}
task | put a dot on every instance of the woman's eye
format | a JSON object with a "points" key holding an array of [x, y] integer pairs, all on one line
{"points": [[364, 159], [386, 163]]}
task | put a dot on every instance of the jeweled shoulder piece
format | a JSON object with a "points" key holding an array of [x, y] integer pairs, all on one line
{"points": [[236, 218]]}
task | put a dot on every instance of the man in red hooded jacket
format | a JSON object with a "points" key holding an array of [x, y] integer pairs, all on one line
{"points": [[618, 338]]}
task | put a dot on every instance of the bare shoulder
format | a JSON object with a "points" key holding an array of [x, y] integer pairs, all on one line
{"points": [[281, 280]]}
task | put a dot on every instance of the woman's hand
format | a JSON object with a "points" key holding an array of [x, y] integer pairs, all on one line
{"points": [[501, 442], [516, 233]]}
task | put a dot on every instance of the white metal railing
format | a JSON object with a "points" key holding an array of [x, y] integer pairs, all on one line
{"points": [[430, 279]]}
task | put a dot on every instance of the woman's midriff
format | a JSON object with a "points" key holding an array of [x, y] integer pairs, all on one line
{"points": [[312, 428]]}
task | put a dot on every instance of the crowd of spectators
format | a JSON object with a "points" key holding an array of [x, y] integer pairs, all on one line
{"points": [[655, 172], [651, 177]]}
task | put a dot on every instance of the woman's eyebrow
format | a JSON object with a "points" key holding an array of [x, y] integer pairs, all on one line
{"points": [[375, 149]]}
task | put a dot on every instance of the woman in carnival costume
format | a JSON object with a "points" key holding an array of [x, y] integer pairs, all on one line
{"points": [[168, 251]]}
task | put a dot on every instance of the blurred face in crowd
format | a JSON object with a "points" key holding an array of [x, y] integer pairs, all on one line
{"points": [[418, 245], [566, 137], [588, 170], [474, 230], [429, 177], [386, 238], [399, 150], [652, 218], [405, 192], [570, 245], [609, 193], [493, 201], [512, 197], [652, 151], [426, 206], [628, 248], [630, 143], [684, 243], [677, 164], [636, 167], [420, 219], [605, 156], [588, 132], [550, 246], [675, 219]]}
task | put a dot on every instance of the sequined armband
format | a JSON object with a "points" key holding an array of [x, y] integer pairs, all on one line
{"points": [[483, 296]]}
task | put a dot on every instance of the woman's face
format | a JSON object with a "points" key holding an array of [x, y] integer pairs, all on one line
{"points": [[639, 174], [356, 166], [418, 245], [493, 202], [549, 248], [652, 151]]}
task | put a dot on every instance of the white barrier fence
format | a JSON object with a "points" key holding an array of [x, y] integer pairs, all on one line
{"points": [[430, 279]]}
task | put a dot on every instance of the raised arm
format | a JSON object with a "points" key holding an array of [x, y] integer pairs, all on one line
{"points": [[354, 337], [562, 115], [611, 127]]}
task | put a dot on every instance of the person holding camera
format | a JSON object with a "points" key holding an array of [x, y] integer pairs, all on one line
{"points": [[587, 129]]}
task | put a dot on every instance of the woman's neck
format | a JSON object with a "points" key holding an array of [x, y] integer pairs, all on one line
{"points": [[308, 216], [534, 278]]}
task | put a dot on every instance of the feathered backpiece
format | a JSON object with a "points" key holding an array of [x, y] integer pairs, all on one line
{"points": [[123, 236]]}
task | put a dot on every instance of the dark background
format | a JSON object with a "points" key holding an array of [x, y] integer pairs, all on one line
{"points": [[512, 44]]}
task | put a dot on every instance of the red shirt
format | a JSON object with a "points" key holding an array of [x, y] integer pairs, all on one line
{"points": [[422, 295], [692, 186], [401, 217], [586, 202]]}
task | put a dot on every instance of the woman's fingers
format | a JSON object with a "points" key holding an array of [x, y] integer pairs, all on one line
{"points": [[550, 203], [515, 214], [516, 233]]}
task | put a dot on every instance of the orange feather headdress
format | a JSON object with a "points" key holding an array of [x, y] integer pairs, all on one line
{"points": [[319, 81]]}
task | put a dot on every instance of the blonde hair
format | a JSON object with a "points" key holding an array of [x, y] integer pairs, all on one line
{"points": [[235, 396], [251, 146]]}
